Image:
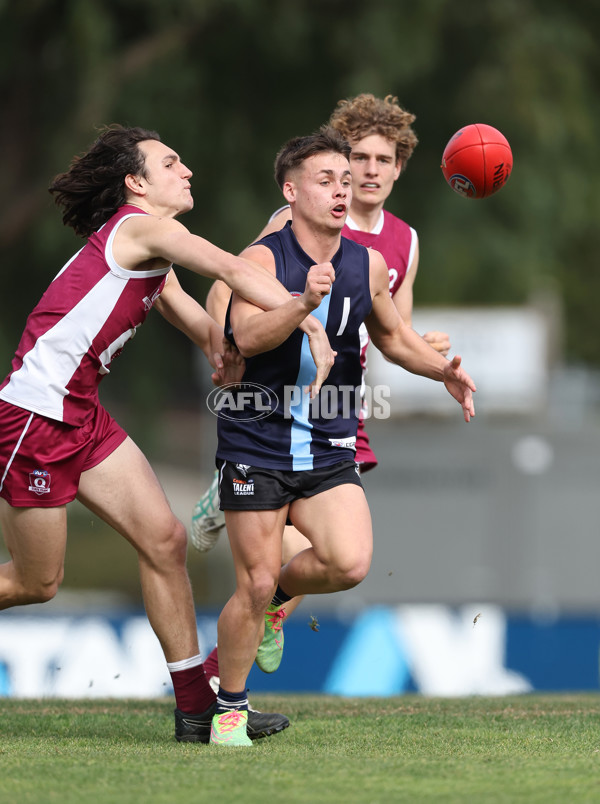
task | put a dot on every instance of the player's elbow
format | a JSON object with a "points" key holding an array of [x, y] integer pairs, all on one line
{"points": [[247, 344], [392, 346], [388, 349], [254, 335]]}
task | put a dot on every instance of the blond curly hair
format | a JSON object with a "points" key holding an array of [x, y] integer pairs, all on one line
{"points": [[365, 114]]}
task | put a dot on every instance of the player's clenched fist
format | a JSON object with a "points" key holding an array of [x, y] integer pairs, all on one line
{"points": [[319, 280]]}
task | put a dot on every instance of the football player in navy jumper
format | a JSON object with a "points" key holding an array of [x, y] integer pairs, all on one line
{"points": [[297, 462]]}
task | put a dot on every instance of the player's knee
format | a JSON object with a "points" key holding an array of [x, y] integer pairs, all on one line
{"points": [[351, 575], [262, 587], [40, 590], [163, 548], [169, 546], [178, 540], [45, 593]]}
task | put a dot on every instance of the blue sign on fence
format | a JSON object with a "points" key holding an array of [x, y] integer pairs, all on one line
{"points": [[429, 649]]}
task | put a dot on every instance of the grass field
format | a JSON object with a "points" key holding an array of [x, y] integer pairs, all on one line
{"points": [[408, 749]]}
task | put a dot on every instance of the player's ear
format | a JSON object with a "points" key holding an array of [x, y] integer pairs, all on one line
{"points": [[289, 191], [398, 169], [134, 184]]}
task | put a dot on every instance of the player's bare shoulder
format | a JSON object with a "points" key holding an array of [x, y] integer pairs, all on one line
{"points": [[152, 229], [142, 241], [261, 255]]}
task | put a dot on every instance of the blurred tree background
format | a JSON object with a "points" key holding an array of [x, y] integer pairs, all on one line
{"points": [[226, 82]]}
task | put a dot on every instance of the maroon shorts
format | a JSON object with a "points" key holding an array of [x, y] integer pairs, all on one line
{"points": [[41, 460], [365, 457]]}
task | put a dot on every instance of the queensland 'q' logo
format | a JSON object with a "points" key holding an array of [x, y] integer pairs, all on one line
{"points": [[242, 402], [39, 481]]}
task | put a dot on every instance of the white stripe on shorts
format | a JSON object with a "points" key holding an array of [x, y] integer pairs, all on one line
{"points": [[16, 449]]}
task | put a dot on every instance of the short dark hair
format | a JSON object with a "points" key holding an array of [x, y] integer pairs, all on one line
{"points": [[296, 150], [93, 188]]}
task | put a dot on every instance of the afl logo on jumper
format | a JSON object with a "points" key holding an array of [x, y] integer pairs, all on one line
{"points": [[39, 481]]}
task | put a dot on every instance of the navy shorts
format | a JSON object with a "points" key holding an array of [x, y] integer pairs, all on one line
{"points": [[250, 488]]}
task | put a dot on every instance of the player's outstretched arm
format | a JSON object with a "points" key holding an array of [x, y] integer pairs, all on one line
{"points": [[148, 238], [220, 293], [401, 345], [460, 386]]}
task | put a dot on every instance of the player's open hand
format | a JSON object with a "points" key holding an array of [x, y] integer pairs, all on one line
{"points": [[319, 281], [229, 365], [322, 354], [460, 385], [438, 341]]}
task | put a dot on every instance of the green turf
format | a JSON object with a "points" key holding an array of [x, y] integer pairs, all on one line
{"points": [[410, 749]]}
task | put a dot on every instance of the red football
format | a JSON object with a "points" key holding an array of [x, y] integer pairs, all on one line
{"points": [[477, 161]]}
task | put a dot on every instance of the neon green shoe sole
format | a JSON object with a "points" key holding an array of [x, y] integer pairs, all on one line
{"points": [[229, 728], [270, 650]]}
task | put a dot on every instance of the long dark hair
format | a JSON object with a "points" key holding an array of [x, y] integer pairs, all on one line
{"points": [[93, 188]]}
